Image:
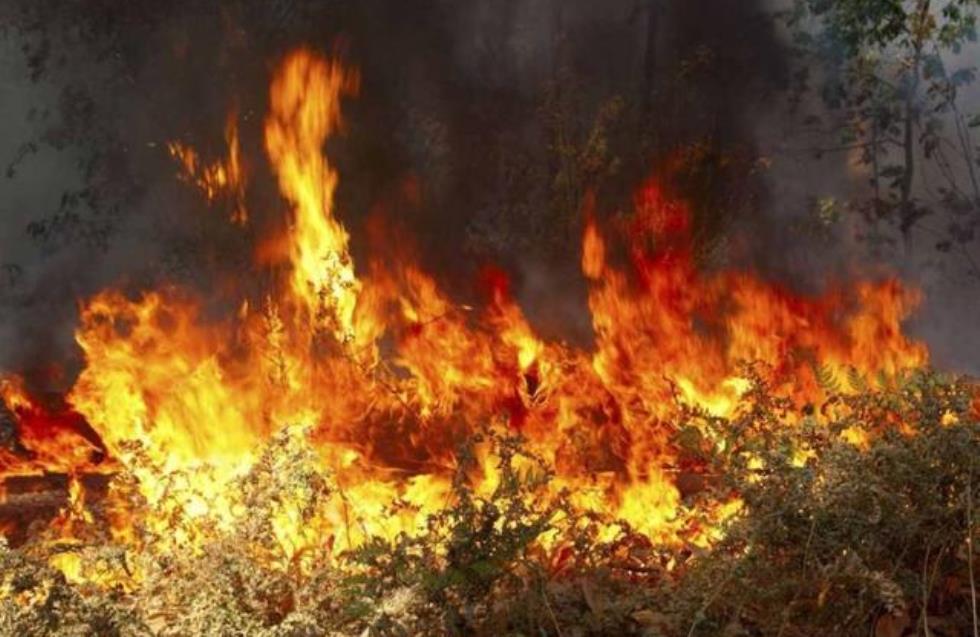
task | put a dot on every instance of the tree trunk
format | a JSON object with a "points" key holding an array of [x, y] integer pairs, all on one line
{"points": [[909, 214], [907, 208]]}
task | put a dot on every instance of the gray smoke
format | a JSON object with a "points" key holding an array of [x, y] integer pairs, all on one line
{"points": [[798, 177], [455, 99]]}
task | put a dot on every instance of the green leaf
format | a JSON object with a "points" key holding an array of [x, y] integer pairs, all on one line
{"points": [[826, 378], [856, 380], [932, 66], [963, 77]]}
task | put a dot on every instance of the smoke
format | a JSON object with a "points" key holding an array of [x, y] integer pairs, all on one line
{"points": [[449, 141], [811, 256]]}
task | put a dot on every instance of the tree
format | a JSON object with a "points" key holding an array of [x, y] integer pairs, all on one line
{"points": [[888, 80]]}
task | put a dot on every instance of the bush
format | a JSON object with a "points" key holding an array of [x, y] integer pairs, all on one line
{"points": [[856, 517], [837, 537]]}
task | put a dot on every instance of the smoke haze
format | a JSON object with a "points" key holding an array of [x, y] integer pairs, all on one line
{"points": [[448, 140]]}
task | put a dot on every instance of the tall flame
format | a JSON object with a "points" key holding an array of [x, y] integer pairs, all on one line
{"points": [[304, 111]]}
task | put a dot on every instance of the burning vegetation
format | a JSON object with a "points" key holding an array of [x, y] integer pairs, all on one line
{"points": [[356, 453]]}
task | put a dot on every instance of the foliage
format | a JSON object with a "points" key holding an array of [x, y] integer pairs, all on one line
{"points": [[36, 600], [838, 537], [856, 515], [887, 73]]}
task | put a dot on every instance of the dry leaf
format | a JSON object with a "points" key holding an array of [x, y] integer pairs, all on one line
{"points": [[646, 617], [892, 624], [588, 592]]}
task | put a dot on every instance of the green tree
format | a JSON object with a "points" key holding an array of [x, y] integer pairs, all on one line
{"points": [[889, 79]]}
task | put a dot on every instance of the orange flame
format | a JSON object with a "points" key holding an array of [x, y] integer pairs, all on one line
{"points": [[224, 178], [305, 109], [170, 392]]}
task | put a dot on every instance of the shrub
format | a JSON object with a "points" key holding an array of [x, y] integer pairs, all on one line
{"points": [[856, 516]]}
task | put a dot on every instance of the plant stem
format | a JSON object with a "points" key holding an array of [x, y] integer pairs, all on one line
{"points": [[969, 550]]}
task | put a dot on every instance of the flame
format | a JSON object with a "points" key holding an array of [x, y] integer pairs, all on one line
{"points": [[304, 111], [221, 179], [189, 403], [57, 440]]}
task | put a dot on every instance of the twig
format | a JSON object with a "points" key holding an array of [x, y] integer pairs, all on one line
{"points": [[796, 596], [636, 568], [969, 550], [708, 602], [346, 513], [925, 594], [547, 604], [927, 584]]}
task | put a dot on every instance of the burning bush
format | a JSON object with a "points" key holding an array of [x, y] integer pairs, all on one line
{"points": [[355, 452], [830, 537]]}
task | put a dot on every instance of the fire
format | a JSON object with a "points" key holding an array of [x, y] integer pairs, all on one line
{"points": [[49, 439], [190, 405], [305, 110], [225, 178]]}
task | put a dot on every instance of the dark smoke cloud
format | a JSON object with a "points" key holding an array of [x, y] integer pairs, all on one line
{"points": [[447, 139]]}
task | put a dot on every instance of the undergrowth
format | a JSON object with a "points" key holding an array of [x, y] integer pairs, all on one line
{"points": [[856, 518]]}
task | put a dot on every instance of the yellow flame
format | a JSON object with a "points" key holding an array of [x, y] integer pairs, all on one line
{"points": [[304, 111]]}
